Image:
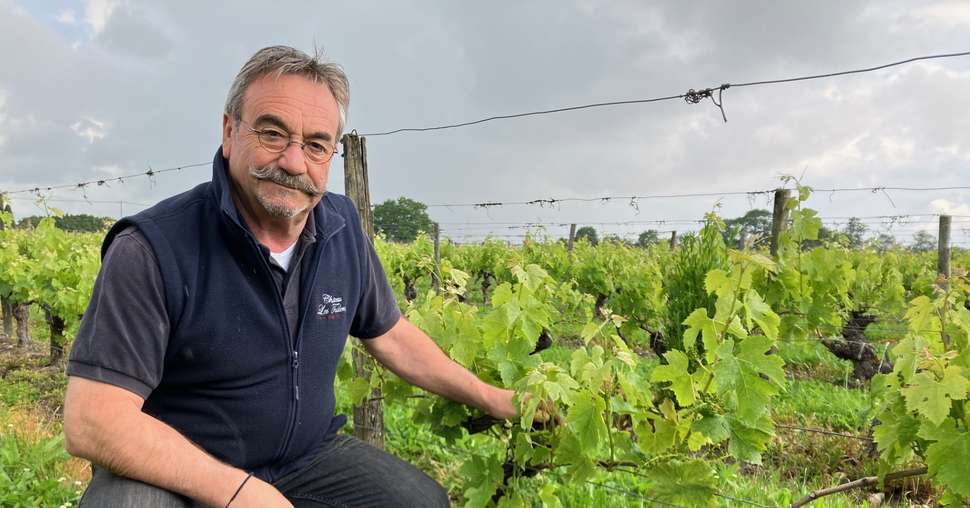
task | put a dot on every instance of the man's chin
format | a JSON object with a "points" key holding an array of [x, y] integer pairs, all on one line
{"points": [[282, 209]]}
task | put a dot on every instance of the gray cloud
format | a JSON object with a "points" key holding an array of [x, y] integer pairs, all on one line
{"points": [[155, 76]]}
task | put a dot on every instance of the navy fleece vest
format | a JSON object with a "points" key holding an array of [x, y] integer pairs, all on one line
{"points": [[234, 381]]}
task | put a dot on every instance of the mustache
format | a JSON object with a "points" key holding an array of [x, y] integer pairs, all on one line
{"points": [[276, 175]]}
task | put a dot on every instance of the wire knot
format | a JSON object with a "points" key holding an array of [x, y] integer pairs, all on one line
{"points": [[696, 96]]}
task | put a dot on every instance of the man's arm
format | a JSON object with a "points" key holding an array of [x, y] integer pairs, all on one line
{"points": [[411, 354], [105, 424]]}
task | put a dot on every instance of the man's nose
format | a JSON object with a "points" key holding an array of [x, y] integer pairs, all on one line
{"points": [[292, 160]]}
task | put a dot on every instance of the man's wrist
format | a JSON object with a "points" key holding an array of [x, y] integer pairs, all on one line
{"points": [[239, 489]]}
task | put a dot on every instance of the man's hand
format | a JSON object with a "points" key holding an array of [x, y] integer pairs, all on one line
{"points": [[546, 414], [501, 404], [259, 494]]}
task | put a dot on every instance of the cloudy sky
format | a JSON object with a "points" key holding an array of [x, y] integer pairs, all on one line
{"points": [[101, 88]]}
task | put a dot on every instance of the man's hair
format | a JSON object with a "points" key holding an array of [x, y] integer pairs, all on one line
{"points": [[282, 60]]}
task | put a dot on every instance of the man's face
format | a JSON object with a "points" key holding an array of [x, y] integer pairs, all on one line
{"points": [[284, 185]]}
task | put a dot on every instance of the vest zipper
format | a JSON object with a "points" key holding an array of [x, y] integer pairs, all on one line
{"points": [[291, 352], [315, 259]]}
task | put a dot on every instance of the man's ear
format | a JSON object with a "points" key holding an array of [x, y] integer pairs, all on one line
{"points": [[227, 126]]}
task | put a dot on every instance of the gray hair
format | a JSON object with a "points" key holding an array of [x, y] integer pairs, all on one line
{"points": [[281, 60]]}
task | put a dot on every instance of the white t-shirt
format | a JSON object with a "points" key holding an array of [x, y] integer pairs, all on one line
{"points": [[283, 258]]}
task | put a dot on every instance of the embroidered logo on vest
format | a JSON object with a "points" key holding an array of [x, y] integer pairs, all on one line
{"points": [[331, 307]]}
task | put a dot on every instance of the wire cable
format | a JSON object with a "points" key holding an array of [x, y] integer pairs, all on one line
{"points": [[101, 181], [691, 96]]}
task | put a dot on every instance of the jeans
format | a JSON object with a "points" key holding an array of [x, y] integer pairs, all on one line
{"points": [[346, 473]]}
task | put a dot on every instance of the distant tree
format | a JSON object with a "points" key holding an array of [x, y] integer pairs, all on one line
{"points": [[825, 236], [5, 209], [84, 223], [883, 242], [401, 219], [855, 231], [617, 239], [648, 238], [755, 223], [589, 233], [923, 242]]}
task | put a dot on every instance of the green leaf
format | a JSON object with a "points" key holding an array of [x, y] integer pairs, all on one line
{"points": [[718, 282], [932, 398], [549, 497], [762, 314], [585, 421], [677, 373], [738, 377], [685, 483], [748, 441], [717, 428], [357, 390], [895, 434], [590, 331], [483, 476], [698, 323], [948, 460], [754, 356]]}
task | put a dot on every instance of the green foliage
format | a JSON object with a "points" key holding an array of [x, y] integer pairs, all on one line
{"points": [[855, 232], [827, 405], [587, 233], [923, 241], [922, 406], [755, 226], [401, 219], [32, 469], [648, 238], [79, 223], [684, 276], [51, 268]]}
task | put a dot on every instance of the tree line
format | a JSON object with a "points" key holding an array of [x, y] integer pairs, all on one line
{"points": [[402, 219]]}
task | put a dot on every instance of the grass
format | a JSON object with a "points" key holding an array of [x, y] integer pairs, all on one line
{"points": [[808, 359], [833, 407], [34, 468]]}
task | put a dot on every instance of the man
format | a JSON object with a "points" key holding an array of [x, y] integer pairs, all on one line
{"points": [[204, 356]]}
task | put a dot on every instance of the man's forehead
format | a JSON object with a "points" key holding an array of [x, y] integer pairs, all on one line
{"points": [[290, 93]]}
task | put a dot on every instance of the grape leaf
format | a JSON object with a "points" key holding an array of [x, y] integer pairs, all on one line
{"points": [[762, 314], [738, 379], [677, 373], [932, 398], [698, 323], [748, 441], [585, 420], [717, 428], [483, 476], [687, 483], [948, 460]]}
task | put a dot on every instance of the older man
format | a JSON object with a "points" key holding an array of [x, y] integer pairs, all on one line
{"points": [[203, 372]]}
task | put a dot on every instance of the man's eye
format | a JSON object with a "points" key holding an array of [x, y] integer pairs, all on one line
{"points": [[318, 148], [271, 135]]}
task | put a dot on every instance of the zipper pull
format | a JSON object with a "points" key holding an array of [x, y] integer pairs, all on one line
{"points": [[296, 384]]}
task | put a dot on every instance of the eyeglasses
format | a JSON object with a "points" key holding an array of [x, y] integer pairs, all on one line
{"points": [[276, 141]]}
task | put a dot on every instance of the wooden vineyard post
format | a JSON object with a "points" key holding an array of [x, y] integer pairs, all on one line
{"points": [[369, 415], [779, 219], [436, 273], [943, 263], [5, 306], [572, 238], [943, 250], [673, 240]]}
